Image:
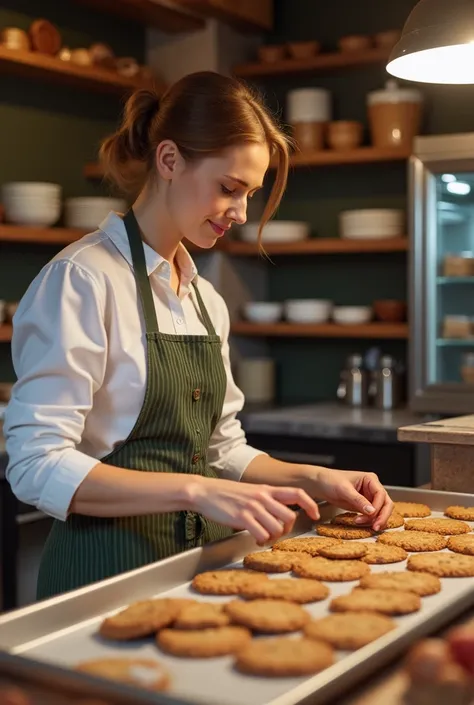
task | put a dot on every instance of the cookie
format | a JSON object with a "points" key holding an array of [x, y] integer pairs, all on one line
{"points": [[349, 631], [268, 616], [349, 519], [413, 540], [419, 583], [444, 565], [202, 615], [344, 551], [445, 527], [411, 509], [383, 601], [141, 672], [140, 619], [345, 532], [304, 544], [332, 571], [225, 582], [378, 554], [300, 591], [462, 513], [462, 544], [284, 657], [274, 561], [203, 643]]}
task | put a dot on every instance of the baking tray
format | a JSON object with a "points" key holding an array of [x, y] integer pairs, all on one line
{"points": [[61, 631]]}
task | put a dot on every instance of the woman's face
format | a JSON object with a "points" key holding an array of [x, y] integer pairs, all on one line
{"points": [[206, 198]]}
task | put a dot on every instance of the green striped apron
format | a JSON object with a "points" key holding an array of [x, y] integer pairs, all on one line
{"points": [[186, 383]]}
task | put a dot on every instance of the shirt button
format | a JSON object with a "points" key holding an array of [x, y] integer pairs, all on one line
{"points": [[196, 394], [179, 321], [195, 458]]}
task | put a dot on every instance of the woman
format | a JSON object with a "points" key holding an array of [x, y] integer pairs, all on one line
{"points": [[122, 424]]}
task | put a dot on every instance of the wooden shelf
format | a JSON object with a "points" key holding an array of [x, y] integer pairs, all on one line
{"points": [[5, 333], [165, 16], [42, 236], [319, 246], [323, 330], [314, 64], [35, 65], [244, 15]]}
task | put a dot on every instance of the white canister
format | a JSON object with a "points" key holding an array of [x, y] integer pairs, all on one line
{"points": [[308, 105], [256, 379]]}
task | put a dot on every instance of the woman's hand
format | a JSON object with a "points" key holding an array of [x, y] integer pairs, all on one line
{"points": [[356, 491], [260, 509]]}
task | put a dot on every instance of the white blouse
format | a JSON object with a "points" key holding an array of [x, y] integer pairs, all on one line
{"points": [[79, 354]]}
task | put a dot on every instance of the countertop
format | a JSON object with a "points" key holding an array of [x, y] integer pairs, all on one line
{"points": [[331, 420], [458, 431]]}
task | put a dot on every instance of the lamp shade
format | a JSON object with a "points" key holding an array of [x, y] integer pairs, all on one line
{"points": [[437, 43]]}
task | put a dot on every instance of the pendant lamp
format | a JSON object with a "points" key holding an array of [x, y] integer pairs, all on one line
{"points": [[437, 43]]}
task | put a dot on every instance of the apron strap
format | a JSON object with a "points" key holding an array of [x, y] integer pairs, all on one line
{"points": [[205, 316], [140, 271]]}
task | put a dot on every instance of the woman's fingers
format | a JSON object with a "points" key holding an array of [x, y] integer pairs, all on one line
{"points": [[293, 495]]}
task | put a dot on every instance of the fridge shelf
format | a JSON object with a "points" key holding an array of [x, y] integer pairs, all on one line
{"points": [[455, 280], [455, 342]]}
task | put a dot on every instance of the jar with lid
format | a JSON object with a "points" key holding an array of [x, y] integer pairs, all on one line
{"points": [[467, 368], [394, 115], [459, 264], [309, 112]]}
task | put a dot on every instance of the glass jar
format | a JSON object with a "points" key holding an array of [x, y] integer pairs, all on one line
{"points": [[467, 368]]}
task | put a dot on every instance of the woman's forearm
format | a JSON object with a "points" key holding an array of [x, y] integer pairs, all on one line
{"points": [[108, 491], [268, 471]]}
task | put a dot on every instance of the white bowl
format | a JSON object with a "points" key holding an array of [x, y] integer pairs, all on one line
{"points": [[88, 213], [30, 188], [35, 212], [372, 222], [307, 310], [275, 231], [349, 315], [263, 311]]}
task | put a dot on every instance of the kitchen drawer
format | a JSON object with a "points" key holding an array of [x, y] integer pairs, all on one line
{"points": [[394, 463]]}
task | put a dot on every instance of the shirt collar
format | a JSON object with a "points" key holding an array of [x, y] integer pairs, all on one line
{"points": [[114, 227]]}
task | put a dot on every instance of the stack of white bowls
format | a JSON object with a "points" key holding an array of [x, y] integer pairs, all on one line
{"points": [[308, 310], [276, 231], [373, 223], [88, 213], [309, 111], [33, 204]]}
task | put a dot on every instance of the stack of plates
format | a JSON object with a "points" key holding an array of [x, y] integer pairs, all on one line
{"points": [[373, 223], [275, 231]]}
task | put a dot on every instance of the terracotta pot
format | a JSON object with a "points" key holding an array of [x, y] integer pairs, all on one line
{"points": [[309, 136], [388, 39], [354, 42], [390, 310], [303, 50], [344, 134], [271, 53]]}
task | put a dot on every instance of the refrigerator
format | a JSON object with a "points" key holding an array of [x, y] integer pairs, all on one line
{"points": [[441, 274]]}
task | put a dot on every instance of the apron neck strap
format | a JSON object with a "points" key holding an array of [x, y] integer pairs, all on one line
{"points": [[140, 271]]}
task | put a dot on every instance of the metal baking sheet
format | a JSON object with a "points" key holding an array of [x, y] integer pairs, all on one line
{"points": [[62, 631]]}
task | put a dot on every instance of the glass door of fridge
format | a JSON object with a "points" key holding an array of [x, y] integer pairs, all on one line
{"points": [[442, 277]]}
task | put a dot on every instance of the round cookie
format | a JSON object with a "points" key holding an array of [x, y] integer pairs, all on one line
{"points": [[304, 544], [274, 561], [444, 565], [445, 527], [268, 616], [413, 540], [419, 583], [331, 570], [383, 601], [140, 619], [349, 519], [203, 643], [141, 672], [378, 554], [225, 582], [300, 591], [461, 513], [349, 631], [202, 615], [462, 544], [284, 657], [345, 532], [344, 551], [411, 509]]}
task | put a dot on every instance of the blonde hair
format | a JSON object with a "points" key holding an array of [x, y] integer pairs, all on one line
{"points": [[203, 113]]}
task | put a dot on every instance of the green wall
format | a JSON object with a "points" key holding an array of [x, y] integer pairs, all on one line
{"points": [[309, 369], [48, 132]]}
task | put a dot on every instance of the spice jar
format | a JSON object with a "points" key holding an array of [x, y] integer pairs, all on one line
{"points": [[467, 368], [308, 112], [460, 264], [394, 115], [457, 327]]}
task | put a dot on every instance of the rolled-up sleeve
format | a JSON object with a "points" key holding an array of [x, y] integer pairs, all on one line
{"points": [[59, 349], [229, 453]]}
